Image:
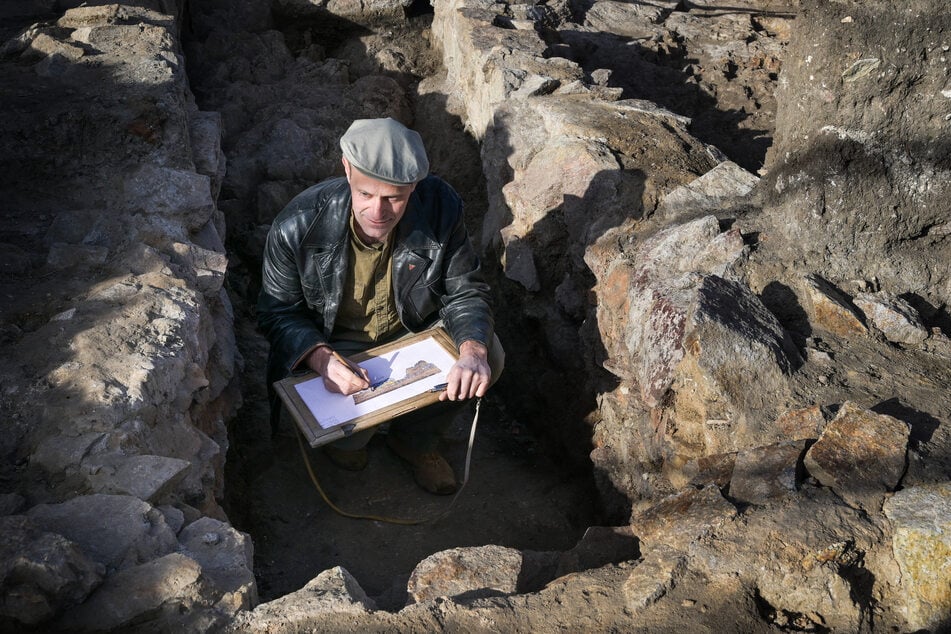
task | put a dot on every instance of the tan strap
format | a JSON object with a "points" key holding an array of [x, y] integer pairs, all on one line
{"points": [[395, 520]]}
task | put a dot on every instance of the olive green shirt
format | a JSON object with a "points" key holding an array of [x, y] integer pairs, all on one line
{"points": [[368, 309]]}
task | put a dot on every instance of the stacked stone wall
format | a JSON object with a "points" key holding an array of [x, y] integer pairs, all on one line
{"points": [[119, 359]]}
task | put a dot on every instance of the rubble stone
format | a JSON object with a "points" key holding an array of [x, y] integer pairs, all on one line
{"points": [[226, 557], [139, 594], [333, 591], [895, 317], [861, 455], [681, 519], [41, 573], [492, 569], [830, 309], [116, 530], [921, 542], [763, 473]]}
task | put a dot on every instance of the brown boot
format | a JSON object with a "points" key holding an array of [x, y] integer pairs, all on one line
{"points": [[430, 469], [349, 459]]}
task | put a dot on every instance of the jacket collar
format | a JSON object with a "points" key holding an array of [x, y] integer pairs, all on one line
{"points": [[331, 226], [413, 232]]}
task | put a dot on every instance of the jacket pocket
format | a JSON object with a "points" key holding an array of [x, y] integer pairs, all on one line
{"points": [[313, 295], [423, 301]]}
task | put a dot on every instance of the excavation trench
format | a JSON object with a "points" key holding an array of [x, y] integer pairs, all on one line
{"points": [[520, 494]]}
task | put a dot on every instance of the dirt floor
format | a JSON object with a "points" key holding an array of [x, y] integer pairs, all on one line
{"points": [[516, 496]]}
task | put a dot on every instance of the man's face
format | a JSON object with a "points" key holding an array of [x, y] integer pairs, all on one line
{"points": [[377, 206]]}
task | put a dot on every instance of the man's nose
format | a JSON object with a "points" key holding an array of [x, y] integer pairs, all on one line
{"points": [[379, 207]]}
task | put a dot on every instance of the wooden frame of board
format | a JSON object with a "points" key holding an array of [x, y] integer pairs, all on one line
{"points": [[317, 435]]}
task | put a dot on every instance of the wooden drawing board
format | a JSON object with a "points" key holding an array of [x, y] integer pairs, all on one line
{"points": [[406, 369]]}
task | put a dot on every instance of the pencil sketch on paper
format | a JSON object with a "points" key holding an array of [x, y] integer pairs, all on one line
{"points": [[420, 370], [422, 364]]}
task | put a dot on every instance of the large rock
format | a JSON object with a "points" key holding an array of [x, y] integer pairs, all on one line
{"points": [[565, 161], [489, 63], [830, 309], [117, 531], [627, 19], [894, 317], [41, 573], [226, 557], [333, 591], [921, 541], [690, 342], [820, 561], [861, 455], [492, 569], [159, 594]]}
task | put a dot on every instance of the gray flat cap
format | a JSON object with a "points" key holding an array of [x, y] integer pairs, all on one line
{"points": [[386, 150]]}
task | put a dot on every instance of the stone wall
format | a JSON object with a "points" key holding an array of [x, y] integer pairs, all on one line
{"points": [[738, 320], [764, 392], [119, 355]]}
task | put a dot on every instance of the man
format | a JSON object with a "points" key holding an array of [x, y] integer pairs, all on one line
{"points": [[357, 261]]}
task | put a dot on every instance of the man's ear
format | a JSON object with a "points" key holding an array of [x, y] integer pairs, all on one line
{"points": [[346, 167]]}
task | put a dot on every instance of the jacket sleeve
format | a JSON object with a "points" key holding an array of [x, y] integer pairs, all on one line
{"points": [[466, 310], [289, 324]]}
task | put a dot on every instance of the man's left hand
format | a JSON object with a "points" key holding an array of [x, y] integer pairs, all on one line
{"points": [[470, 376]]}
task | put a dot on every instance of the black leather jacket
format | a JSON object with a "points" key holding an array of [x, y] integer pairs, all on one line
{"points": [[436, 273]]}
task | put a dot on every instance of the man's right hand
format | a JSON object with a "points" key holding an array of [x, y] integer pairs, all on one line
{"points": [[338, 377]]}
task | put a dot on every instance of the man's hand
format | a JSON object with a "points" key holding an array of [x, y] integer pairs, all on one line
{"points": [[470, 376], [339, 377]]}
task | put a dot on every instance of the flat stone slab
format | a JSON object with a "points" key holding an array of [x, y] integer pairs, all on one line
{"points": [[494, 569], [144, 476], [768, 472], [861, 455], [723, 184], [830, 309], [116, 530]]}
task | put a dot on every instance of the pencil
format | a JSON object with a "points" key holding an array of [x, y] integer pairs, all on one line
{"points": [[339, 358]]}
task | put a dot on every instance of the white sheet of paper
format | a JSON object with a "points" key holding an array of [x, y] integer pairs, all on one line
{"points": [[333, 409]]}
